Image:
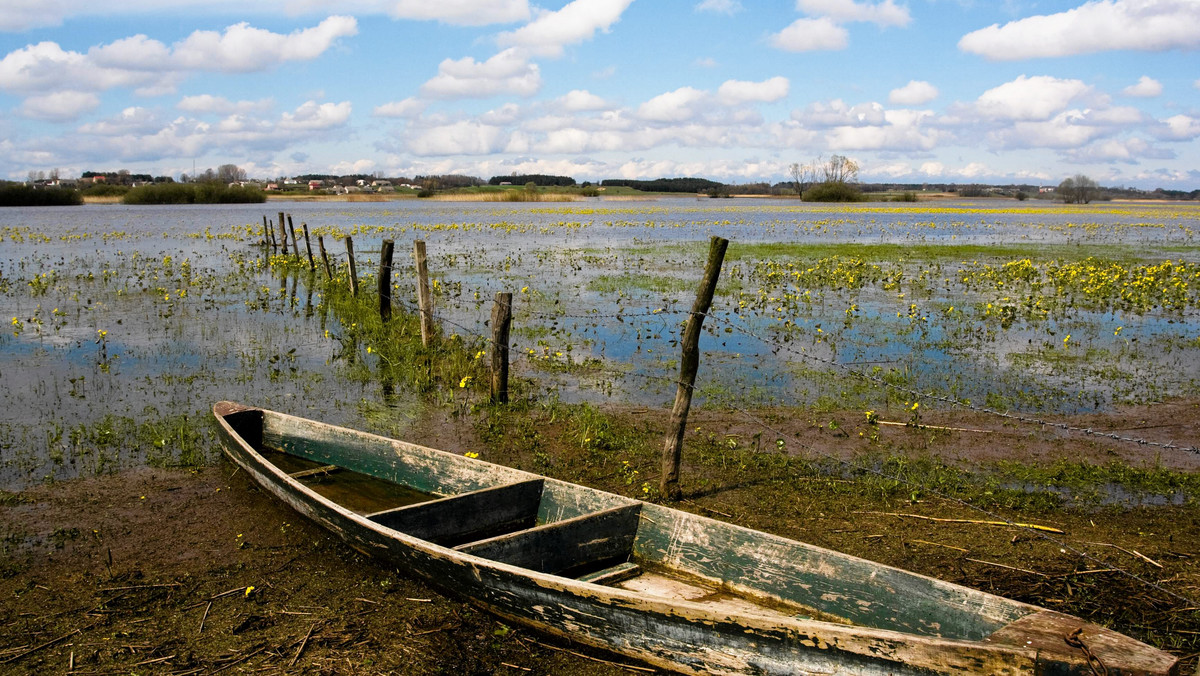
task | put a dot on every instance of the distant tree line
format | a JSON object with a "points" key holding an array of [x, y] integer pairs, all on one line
{"points": [[22, 195], [123, 176], [448, 181], [540, 180], [689, 185]]}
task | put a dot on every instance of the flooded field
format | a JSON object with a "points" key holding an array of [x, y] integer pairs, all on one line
{"points": [[124, 324]]}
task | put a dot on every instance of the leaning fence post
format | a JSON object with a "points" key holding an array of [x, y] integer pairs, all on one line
{"points": [[353, 267], [312, 264], [295, 242], [282, 235], [688, 364], [501, 320], [424, 297], [324, 256], [268, 236], [385, 280]]}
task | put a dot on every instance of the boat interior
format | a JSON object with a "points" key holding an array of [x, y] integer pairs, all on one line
{"points": [[558, 528]]}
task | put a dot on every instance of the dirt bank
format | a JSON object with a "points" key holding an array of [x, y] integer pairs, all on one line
{"points": [[197, 571]]}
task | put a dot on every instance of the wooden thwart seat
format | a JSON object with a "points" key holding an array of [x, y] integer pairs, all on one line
{"points": [[612, 574], [561, 546], [468, 517]]}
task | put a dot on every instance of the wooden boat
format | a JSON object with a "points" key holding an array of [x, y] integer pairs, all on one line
{"points": [[673, 589]]}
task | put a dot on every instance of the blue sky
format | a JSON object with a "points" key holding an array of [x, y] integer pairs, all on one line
{"points": [[989, 91]]}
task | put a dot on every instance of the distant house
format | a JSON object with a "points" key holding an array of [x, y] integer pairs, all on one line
{"points": [[290, 181], [272, 186], [1045, 189], [316, 185], [381, 184]]}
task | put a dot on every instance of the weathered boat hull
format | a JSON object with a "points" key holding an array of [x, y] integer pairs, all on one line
{"points": [[680, 635]]}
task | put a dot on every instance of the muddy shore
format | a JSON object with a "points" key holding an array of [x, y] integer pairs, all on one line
{"points": [[188, 571]]}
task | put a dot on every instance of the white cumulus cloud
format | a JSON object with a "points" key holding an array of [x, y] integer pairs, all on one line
{"points": [[1179, 128], [219, 105], [313, 116], [680, 105], [580, 100], [508, 72], [1095, 26], [63, 106], [463, 12], [808, 35], [1146, 87], [737, 92], [139, 61], [886, 13], [836, 113], [1030, 98], [409, 107], [243, 48], [577, 22], [458, 138], [915, 93]]}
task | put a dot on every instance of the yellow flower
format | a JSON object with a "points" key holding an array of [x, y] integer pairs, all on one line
{"points": [[249, 591], [471, 454], [465, 381]]}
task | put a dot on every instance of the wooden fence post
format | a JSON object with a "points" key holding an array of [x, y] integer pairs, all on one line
{"points": [[353, 266], [324, 256], [688, 364], [501, 320], [385, 280], [312, 263], [268, 235], [295, 242], [424, 296], [282, 235]]}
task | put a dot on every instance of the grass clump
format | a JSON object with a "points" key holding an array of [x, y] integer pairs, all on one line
{"points": [[833, 191]]}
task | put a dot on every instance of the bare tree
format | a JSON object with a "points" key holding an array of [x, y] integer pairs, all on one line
{"points": [[230, 173], [800, 175], [1079, 189], [840, 169]]}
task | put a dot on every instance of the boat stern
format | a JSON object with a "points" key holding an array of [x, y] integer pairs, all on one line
{"points": [[1067, 645]]}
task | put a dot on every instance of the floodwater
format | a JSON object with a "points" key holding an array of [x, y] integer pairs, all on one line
{"points": [[121, 324]]}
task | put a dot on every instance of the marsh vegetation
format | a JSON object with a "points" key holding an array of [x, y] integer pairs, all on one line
{"points": [[876, 357]]}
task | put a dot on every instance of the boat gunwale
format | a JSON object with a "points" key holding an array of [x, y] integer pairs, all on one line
{"points": [[860, 637]]}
